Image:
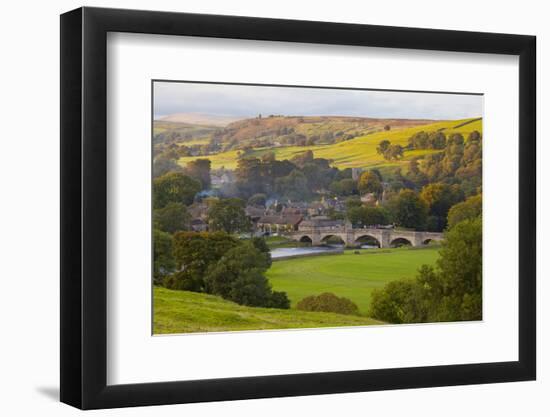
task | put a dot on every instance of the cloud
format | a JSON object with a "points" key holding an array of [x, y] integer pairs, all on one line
{"points": [[244, 100]]}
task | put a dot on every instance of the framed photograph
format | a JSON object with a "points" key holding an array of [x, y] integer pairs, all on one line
{"points": [[257, 208]]}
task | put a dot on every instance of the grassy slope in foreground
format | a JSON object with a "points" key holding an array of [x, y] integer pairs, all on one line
{"points": [[358, 152], [186, 312], [348, 275]]}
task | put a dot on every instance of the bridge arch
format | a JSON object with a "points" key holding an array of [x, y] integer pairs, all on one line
{"points": [[336, 238], [400, 241], [429, 241], [367, 239], [306, 239]]}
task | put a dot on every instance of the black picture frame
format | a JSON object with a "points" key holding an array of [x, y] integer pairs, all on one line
{"points": [[84, 207]]}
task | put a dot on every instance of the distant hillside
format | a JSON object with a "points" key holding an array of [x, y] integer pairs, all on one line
{"points": [[358, 151], [320, 129], [194, 134], [200, 119]]}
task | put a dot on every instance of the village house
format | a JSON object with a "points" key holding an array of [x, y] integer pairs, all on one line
{"points": [[316, 209], [198, 211], [369, 199], [321, 222], [199, 225], [220, 180], [254, 213], [294, 210], [279, 223]]}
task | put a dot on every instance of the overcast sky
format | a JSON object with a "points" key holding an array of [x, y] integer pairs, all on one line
{"points": [[243, 101]]}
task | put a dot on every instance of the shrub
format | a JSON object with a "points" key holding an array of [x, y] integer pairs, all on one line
{"points": [[398, 302], [187, 280], [328, 302], [279, 299]]}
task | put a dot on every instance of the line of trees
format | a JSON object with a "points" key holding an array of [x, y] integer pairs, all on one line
{"points": [[300, 178]]}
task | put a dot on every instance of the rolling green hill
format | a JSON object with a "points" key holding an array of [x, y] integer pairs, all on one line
{"points": [[188, 312], [357, 152], [276, 127]]}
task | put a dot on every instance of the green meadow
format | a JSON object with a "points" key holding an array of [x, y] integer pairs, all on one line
{"points": [[190, 312], [348, 275], [359, 152]]}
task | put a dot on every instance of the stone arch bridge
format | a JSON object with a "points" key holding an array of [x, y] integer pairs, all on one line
{"points": [[385, 238]]}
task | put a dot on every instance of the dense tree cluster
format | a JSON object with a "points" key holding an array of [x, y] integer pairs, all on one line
{"points": [[219, 264], [361, 216], [171, 218], [370, 182], [199, 169], [449, 292], [174, 187], [439, 198], [389, 151], [457, 161], [299, 178], [469, 209], [424, 140], [408, 210], [228, 215]]}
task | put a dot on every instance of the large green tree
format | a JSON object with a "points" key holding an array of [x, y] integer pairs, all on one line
{"points": [[228, 215], [250, 176], [383, 147], [294, 186], [456, 284], [172, 218], [344, 187], [366, 216], [369, 182], [440, 197], [408, 210], [239, 276], [199, 169], [162, 165], [174, 187], [193, 253], [469, 209], [394, 152]]}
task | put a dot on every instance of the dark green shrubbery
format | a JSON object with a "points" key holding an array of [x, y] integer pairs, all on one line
{"points": [[449, 292], [217, 263], [239, 276], [328, 302], [164, 263], [399, 302]]}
